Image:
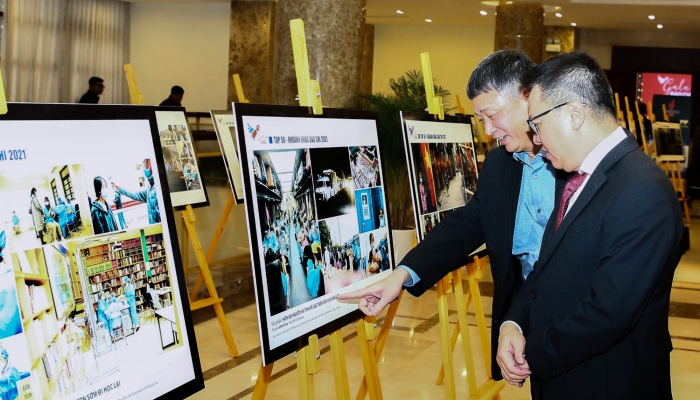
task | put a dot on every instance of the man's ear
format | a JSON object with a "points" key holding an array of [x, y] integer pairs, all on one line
{"points": [[577, 114]]}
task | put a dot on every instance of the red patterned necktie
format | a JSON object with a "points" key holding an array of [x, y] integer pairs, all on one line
{"points": [[574, 182]]}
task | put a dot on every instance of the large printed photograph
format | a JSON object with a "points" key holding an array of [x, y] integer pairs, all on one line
{"points": [[443, 167], [317, 216], [89, 293]]}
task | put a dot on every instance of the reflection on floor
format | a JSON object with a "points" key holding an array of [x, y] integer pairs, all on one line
{"points": [[412, 352]]}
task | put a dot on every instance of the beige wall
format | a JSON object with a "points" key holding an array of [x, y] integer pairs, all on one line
{"points": [[454, 53], [182, 44], [599, 42]]}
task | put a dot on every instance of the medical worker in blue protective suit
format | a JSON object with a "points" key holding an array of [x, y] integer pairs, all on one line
{"points": [[9, 376], [62, 211], [15, 223], [148, 196], [102, 306], [10, 319], [130, 292], [101, 212]]}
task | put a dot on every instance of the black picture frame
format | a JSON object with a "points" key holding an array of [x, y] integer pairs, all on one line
{"points": [[204, 203], [263, 110], [67, 112], [425, 117]]}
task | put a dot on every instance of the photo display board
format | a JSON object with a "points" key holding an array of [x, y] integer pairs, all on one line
{"points": [[317, 219], [181, 168], [442, 166], [225, 127], [668, 141], [93, 302]]}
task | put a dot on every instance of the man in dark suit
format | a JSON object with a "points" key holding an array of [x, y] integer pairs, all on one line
{"points": [[92, 96], [509, 211], [591, 321]]}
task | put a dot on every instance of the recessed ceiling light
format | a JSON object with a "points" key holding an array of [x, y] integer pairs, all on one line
{"points": [[428, 20], [652, 17], [399, 12], [659, 26], [509, 2], [558, 15], [557, 8], [573, 24], [482, 12]]}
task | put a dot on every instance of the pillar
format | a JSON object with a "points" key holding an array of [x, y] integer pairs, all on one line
{"points": [[367, 68], [334, 31], [520, 26], [251, 49]]}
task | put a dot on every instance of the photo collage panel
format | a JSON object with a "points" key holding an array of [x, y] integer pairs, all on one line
{"points": [[180, 162], [445, 176], [322, 221]]}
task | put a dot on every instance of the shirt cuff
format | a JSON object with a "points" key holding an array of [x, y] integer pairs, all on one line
{"points": [[414, 278], [514, 323]]}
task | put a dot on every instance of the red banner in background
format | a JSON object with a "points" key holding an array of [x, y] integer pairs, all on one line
{"points": [[651, 83]]}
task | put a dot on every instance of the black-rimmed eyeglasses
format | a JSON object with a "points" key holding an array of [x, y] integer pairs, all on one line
{"points": [[533, 126]]}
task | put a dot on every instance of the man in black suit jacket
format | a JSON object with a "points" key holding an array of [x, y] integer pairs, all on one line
{"points": [[515, 196], [594, 312]]}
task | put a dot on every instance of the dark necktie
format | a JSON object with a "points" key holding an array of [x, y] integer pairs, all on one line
{"points": [[574, 182]]}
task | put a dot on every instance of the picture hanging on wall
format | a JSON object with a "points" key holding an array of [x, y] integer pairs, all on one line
{"points": [[92, 290], [317, 219]]}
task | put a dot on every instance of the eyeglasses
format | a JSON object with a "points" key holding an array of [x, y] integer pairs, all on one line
{"points": [[533, 126]]}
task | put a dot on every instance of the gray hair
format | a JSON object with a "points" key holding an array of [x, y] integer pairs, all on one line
{"points": [[500, 71]]}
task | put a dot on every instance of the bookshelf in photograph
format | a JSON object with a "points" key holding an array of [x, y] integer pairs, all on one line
{"points": [[54, 347], [107, 264]]}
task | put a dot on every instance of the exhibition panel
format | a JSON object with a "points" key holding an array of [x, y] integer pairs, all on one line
{"points": [[316, 213], [94, 297], [225, 127]]}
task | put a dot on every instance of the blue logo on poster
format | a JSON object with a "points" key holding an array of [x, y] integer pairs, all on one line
{"points": [[270, 140]]}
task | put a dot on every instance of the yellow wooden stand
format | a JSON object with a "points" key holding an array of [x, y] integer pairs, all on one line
{"points": [[309, 356], [192, 236], [642, 132], [3, 99], [452, 283], [220, 227]]}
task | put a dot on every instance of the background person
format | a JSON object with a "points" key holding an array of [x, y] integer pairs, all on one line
{"points": [[92, 96], [50, 219], [130, 293], [100, 211], [15, 223], [175, 98], [37, 213]]}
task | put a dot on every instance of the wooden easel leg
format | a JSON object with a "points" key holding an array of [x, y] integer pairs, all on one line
{"points": [[262, 382], [464, 329], [308, 364], [453, 342], [340, 368], [214, 243], [481, 319], [188, 215], [444, 339], [365, 334], [381, 340]]}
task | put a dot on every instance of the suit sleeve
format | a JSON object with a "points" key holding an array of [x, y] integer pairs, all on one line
{"points": [[637, 243], [448, 245]]}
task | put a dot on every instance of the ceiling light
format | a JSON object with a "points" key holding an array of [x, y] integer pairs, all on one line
{"points": [[428, 20], [509, 2], [573, 24], [399, 12], [659, 26], [558, 15], [557, 8], [482, 12], [652, 17]]}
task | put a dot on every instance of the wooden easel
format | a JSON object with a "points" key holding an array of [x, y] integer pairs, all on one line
{"points": [[452, 283], [3, 99], [221, 225], [191, 234], [308, 357], [642, 132]]}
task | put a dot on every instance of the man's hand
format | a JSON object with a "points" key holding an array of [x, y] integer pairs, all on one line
{"points": [[376, 296], [511, 357], [115, 186]]}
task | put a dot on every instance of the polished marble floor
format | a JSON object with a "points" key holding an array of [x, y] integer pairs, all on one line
{"points": [[411, 360]]}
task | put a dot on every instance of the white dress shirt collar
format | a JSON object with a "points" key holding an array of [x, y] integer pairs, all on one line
{"points": [[590, 163]]}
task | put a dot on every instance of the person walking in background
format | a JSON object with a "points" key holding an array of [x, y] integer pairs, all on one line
{"points": [[37, 214], [175, 98], [92, 96]]}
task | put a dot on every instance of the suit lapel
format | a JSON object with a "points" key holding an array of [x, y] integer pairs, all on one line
{"points": [[595, 182]]}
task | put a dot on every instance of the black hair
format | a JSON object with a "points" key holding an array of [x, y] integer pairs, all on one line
{"points": [[95, 80], [573, 76], [177, 90], [33, 191], [98, 182], [500, 71]]}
